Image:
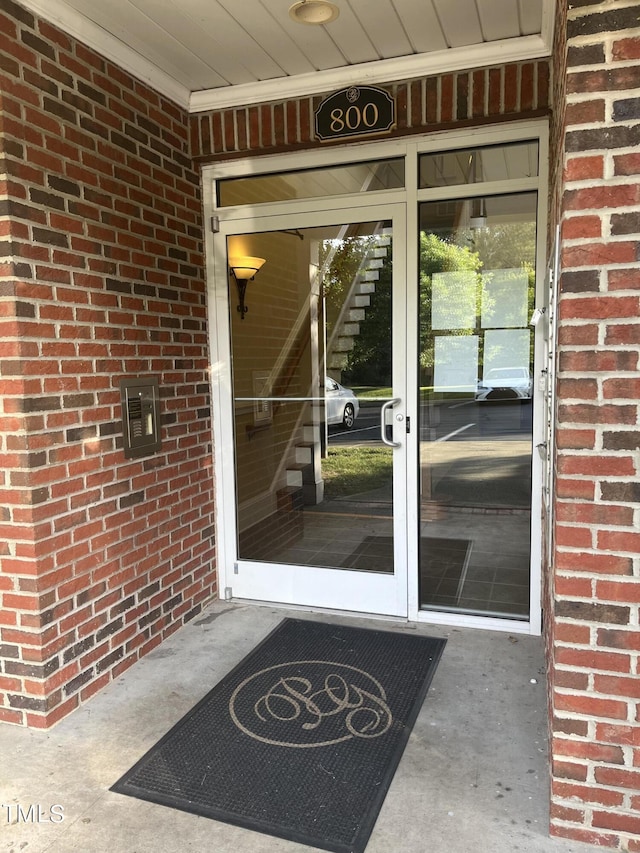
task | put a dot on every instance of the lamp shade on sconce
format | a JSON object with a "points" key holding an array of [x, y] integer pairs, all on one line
{"points": [[245, 268]]}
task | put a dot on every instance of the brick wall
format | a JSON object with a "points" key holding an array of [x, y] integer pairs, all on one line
{"points": [[595, 626], [518, 90], [101, 277]]}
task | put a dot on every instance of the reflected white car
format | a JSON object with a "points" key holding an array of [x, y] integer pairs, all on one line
{"points": [[505, 383], [341, 404]]}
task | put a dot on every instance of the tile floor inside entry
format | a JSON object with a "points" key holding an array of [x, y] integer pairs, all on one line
{"points": [[471, 561]]}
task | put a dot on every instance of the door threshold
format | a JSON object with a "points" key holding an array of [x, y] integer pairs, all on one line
{"points": [[465, 620], [439, 619], [327, 611]]}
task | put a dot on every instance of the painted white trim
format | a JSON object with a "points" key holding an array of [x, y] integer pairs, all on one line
{"points": [[302, 85], [383, 71], [76, 25]]}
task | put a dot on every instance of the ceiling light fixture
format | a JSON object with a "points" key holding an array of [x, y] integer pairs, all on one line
{"points": [[314, 12]]}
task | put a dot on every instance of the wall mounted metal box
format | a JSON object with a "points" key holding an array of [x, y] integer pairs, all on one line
{"points": [[140, 400]]}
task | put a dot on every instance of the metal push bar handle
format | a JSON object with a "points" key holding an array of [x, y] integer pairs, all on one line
{"points": [[383, 427]]}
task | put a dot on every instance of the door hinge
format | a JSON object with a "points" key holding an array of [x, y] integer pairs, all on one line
{"points": [[215, 224], [408, 424]]}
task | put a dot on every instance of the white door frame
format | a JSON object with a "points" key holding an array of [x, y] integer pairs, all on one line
{"points": [[411, 196], [375, 593]]}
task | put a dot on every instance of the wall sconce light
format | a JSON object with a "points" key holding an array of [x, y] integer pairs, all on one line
{"points": [[244, 270]]}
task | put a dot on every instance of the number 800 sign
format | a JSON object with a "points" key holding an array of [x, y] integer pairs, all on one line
{"points": [[355, 111]]}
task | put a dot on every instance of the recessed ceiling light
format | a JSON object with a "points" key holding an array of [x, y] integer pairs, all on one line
{"points": [[314, 12]]}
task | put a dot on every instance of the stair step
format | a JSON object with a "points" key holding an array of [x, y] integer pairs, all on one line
{"points": [[299, 473], [338, 361], [311, 433], [361, 301], [294, 477], [304, 454], [356, 314], [343, 344]]}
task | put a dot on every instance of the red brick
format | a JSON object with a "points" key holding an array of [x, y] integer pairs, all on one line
{"points": [[586, 836], [627, 164], [581, 227], [619, 639], [597, 466], [623, 334], [583, 793], [617, 777], [569, 770], [573, 537], [622, 388], [592, 660], [625, 279], [599, 254], [603, 196], [609, 685], [620, 734], [608, 590], [567, 814], [588, 751], [586, 112], [626, 49], [619, 542]]}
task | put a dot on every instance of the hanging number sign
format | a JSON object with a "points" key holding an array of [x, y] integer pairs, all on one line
{"points": [[356, 111]]}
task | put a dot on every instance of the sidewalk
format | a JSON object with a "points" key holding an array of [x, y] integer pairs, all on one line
{"points": [[473, 776]]}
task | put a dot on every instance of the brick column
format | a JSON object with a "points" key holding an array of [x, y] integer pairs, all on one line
{"points": [[596, 590]]}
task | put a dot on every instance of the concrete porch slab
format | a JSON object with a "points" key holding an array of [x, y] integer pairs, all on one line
{"points": [[473, 776]]}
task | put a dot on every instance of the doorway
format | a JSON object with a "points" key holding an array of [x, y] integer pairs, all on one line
{"points": [[316, 389], [374, 382]]}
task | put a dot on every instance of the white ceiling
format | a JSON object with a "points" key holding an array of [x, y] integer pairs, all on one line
{"points": [[208, 54]]}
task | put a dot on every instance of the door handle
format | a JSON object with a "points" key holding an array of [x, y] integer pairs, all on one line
{"points": [[383, 427]]}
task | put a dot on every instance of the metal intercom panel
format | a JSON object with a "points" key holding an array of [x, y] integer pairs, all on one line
{"points": [[140, 400]]}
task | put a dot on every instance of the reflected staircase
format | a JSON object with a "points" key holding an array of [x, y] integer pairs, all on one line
{"points": [[303, 471]]}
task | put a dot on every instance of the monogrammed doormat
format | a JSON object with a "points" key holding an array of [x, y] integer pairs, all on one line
{"points": [[301, 740]]}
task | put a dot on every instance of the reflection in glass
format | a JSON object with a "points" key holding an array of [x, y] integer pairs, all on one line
{"points": [[476, 351], [313, 183], [479, 165], [311, 371]]}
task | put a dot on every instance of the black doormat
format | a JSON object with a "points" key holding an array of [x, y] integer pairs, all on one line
{"points": [[301, 740], [443, 562]]}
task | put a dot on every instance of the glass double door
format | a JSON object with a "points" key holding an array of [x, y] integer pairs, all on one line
{"points": [[317, 409], [377, 403]]}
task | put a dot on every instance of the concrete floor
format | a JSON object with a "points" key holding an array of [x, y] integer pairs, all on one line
{"points": [[473, 776]]}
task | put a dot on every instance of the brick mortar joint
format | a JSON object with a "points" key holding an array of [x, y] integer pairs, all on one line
{"points": [[598, 8]]}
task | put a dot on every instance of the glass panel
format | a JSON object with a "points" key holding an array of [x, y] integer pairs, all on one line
{"points": [[313, 183], [311, 369], [478, 165], [477, 279]]}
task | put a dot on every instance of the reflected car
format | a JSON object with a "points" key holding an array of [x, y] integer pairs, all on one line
{"points": [[505, 383], [341, 404]]}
